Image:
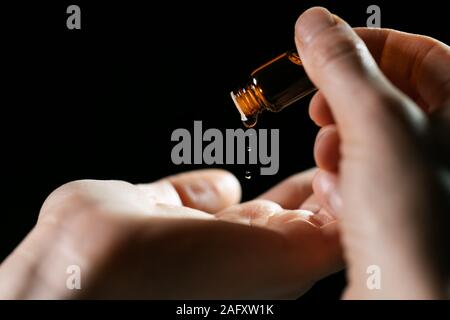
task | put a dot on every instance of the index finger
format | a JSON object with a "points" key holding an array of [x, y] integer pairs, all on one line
{"points": [[416, 64], [293, 191]]}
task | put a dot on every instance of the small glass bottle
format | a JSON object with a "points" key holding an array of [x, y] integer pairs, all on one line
{"points": [[273, 86]]}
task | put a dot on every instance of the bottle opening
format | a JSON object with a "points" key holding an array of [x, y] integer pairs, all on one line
{"points": [[250, 102]]}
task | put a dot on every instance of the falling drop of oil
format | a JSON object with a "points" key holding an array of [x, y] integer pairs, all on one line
{"points": [[248, 175], [249, 149], [250, 121]]}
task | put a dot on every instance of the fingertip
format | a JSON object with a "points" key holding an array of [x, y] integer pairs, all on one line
{"points": [[230, 185], [326, 148], [320, 216], [310, 23], [255, 212], [319, 111], [208, 190]]}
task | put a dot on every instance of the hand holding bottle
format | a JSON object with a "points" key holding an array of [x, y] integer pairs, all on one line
{"points": [[385, 121]]}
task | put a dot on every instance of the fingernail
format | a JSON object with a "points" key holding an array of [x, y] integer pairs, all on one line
{"points": [[304, 213], [311, 22]]}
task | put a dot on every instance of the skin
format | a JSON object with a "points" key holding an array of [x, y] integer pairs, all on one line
{"points": [[184, 236], [384, 108], [382, 185]]}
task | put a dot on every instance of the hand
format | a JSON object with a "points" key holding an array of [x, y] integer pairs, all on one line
{"points": [[382, 149], [159, 240]]}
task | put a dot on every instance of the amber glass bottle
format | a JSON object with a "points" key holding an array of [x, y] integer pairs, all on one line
{"points": [[273, 86]]}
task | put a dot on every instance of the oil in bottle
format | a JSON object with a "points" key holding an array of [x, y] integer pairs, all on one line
{"points": [[273, 86]]}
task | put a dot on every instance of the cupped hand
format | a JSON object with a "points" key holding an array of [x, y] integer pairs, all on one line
{"points": [[184, 236]]}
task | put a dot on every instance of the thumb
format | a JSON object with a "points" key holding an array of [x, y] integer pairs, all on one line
{"points": [[209, 190], [361, 99]]}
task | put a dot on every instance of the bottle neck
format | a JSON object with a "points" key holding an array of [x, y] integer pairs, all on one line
{"points": [[249, 101]]}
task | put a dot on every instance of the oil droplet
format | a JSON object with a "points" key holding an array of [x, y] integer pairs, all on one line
{"points": [[248, 175], [249, 149], [250, 121]]}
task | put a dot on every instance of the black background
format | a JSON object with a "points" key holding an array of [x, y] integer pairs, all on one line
{"points": [[83, 103]]}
